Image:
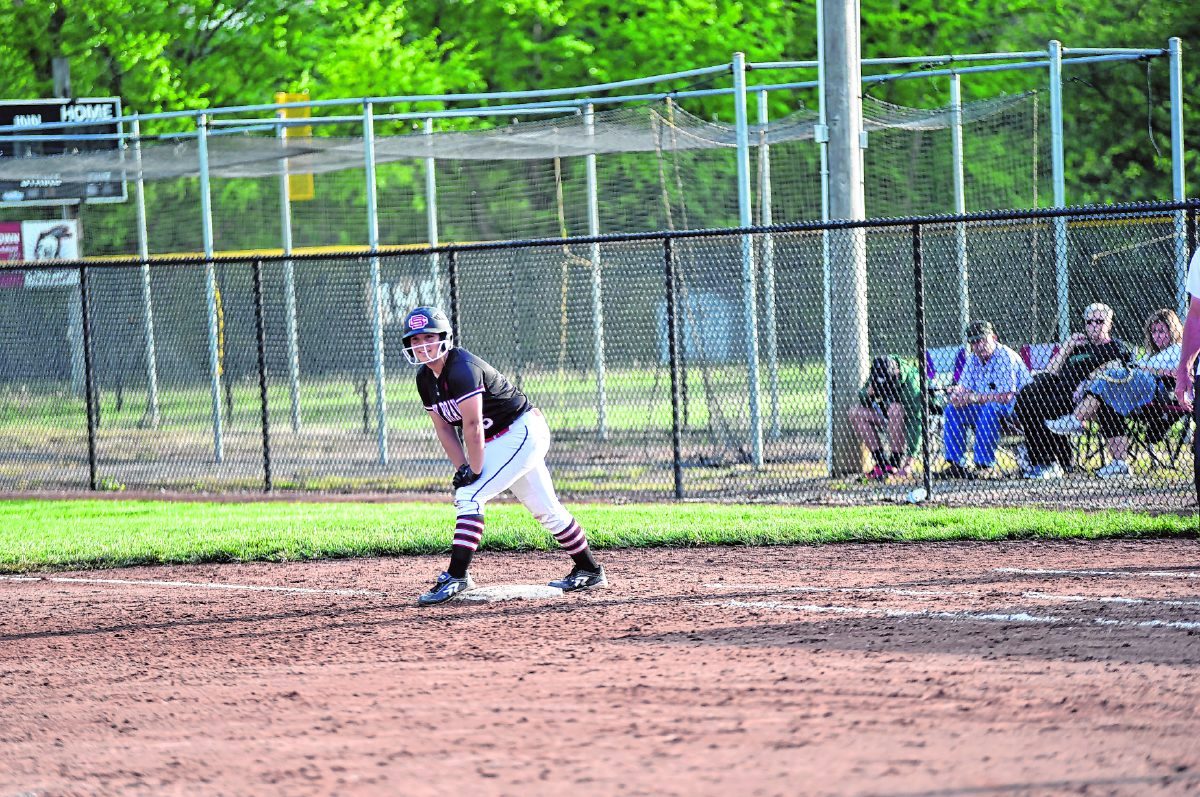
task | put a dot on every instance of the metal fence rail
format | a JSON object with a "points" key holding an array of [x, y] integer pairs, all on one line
{"points": [[637, 348]]}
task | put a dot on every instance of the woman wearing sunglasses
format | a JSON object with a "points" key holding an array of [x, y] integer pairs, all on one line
{"points": [[1057, 390]]}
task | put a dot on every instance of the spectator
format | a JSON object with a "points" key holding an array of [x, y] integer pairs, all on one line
{"points": [[1185, 373], [1055, 392], [1120, 392], [984, 396], [890, 406]]}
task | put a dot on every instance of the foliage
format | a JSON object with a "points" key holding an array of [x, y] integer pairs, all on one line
{"points": [[229, 52]]}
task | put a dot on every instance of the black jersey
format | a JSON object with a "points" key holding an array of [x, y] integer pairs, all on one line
{"points": [[465, 375]]}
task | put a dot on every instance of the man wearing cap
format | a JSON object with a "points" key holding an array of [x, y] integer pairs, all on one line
{"points": [[984, 396]]}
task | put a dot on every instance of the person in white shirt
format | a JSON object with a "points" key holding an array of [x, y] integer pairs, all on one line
{"points": [[1185, 374], [1117, 393], [984, 395]]}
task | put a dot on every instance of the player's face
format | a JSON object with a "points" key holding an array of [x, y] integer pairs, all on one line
{"points": [[427, 347]]}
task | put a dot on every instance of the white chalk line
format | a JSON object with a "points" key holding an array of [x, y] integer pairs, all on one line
{"points": [[1018, 617], [931, 593], [195, 585], [1123, 573]]}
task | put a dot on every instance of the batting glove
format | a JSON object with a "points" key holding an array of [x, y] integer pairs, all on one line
{"points": [[464, 476]]}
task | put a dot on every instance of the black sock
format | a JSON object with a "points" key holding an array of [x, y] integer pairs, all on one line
{"points": [[460, 560], [585, 561], [894, 460]]}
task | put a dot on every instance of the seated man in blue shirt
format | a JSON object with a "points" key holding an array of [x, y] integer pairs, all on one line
{"points": [[985, 394]]}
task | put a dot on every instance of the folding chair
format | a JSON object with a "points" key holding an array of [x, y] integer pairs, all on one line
{"points": [[1037, 356], [1161, 431], [943, 366]]}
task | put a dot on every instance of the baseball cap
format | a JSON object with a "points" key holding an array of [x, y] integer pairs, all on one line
{"points": [[978, 330]]}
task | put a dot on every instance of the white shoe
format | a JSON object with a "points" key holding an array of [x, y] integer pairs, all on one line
{"points": [[1053, 471], [1066, 425], [1117, 469]]}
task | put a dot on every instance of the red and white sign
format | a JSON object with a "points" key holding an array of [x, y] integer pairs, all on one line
{"points": [[10, 249]]}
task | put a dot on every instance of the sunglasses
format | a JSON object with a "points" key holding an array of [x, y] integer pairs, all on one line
{"points": [[1091, 321]]}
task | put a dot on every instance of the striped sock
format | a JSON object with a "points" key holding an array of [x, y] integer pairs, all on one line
{"points": [[574, 542], [468, 531]]}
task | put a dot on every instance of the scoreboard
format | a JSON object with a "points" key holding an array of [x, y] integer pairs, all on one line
{"points": [[49, 187]]}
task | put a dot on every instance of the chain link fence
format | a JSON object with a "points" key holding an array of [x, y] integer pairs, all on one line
{"points": [[685, 365]]}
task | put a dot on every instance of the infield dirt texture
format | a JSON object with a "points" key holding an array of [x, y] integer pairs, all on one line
{"points": [[1024, 668]]}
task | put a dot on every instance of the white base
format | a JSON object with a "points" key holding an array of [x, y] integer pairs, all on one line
{"points": [[510, 592]]}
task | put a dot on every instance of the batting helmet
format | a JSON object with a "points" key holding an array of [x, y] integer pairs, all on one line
{"points": [[425, 321]]}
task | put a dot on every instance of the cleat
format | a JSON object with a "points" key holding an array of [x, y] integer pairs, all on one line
{"points": [[579, 579], [446, 588], [880, 473]]}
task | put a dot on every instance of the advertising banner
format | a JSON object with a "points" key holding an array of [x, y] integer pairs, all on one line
{"points": [[50, 240]]}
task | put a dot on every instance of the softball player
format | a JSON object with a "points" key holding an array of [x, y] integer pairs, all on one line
{"points": [[503, 446]]}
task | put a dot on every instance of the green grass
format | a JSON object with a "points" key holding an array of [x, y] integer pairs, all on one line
{"points": [[50, 535]]}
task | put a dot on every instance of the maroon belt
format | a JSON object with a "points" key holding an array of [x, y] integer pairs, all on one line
{"points": [[504, 431]]}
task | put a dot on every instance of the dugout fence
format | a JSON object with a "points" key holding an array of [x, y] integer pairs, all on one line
{"points": [[643, 367]]}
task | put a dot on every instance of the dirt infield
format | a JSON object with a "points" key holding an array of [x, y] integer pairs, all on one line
{"points": [[947, 669]]}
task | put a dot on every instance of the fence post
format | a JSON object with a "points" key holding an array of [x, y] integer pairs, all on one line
{"points": [[919, 306], [1191, 234], [152, 415], [768, 260], [376, 288], [431, 215], [1061, 275], [960, 204], [210, 288], [261, 332], [589, 127], [452, 269], [749, 281], [289, 280], [89, 379], [1178, 180], [673, 359]]}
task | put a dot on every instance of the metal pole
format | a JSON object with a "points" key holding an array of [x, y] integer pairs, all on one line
{"points": [[376, 288], [821, 137], [919, 305], [589, 126], [848, 247], [289, 287], [210, 287], [1178, 183], [768, 241], [261, 333], [431, 214], [452, 268], [960, 206], [1060, 190], [673, 359], [89, 377], [152, 416], [749, 288]]}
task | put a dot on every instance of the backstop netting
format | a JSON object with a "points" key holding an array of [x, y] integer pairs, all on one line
{"points": [[657, 167]]}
